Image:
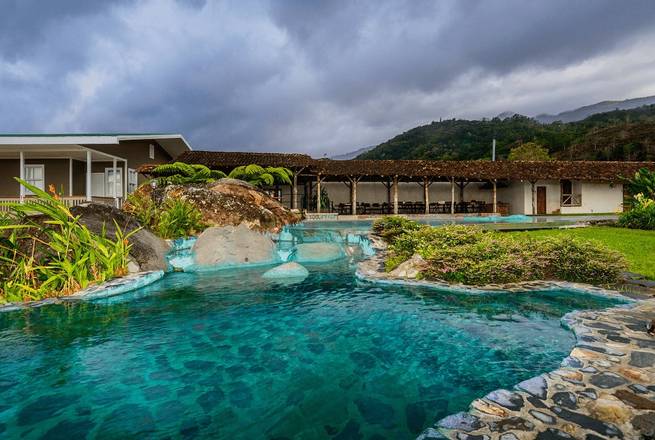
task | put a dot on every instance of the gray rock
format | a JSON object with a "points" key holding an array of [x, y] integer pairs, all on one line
{"points": [[565, 399], [318, 252], [537, 386], [607, 380], [508, 399], [287, 270], [642, 359], [645, 423], [542, 417], [231, 246], [148, 250], [431, 434], [462, 421]]}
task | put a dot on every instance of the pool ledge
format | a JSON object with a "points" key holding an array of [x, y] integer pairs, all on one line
{"points": [[605, 388], [114, 287]]}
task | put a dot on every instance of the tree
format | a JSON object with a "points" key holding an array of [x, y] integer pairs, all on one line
{"points": [[529, 151], [260, 176], [180, 173]]}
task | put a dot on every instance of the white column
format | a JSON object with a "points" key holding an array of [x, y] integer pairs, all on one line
{"points": [[21, 174], [318, 194], [114, 190], [294, 191], [426, 194], [452, 196], [88, 176], [125, 180], [395, 195], [70, 177], [495, 194]]}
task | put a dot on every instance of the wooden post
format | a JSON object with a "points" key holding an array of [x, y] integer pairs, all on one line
{"points": [[353, 195], [318, 193], [70, 177], [114, 190], [495, 198], [534, 208], [395, 195], [452, 196], [426, 194], [294, 191]]}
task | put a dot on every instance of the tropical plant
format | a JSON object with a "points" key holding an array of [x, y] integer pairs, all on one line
{"points": [[641, 214], [180, 173], [46, 251], [643, 182], [529, 151], [179, 218], [174, 218], [260, 176]]}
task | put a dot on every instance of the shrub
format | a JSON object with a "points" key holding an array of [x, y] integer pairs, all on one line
{"points": [[390, 227], [179, 218], [641, 214], [470, 255], [175, 218], [260, 176], [52, 253]]}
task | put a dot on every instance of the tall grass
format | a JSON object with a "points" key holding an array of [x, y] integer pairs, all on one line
{"points": [[45, 250]]}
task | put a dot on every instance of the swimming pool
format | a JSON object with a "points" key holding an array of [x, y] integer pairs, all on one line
{"points": [[230, 355]]}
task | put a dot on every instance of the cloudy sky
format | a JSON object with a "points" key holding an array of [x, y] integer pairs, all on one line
{"points": [[321, 77]]}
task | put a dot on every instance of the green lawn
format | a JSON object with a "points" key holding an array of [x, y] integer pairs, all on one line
{"points": [[637, 246]]}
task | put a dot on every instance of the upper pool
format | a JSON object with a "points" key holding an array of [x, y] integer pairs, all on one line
{"points": [[230, 355]]}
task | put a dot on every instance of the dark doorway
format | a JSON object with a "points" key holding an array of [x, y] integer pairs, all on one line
{"points": [[541, 200]]}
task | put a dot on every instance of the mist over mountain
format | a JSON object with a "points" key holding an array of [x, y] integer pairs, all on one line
{"points": [[581, 113]]}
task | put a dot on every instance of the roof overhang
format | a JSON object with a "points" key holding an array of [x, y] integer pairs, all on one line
{"points": [[173, 144]]}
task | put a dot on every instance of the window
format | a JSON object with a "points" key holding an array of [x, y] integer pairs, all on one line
{"points": [[151, 152], [35, 175], [110, 180], [132, 180]]}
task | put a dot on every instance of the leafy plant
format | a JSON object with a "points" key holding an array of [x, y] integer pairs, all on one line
{"points": [[179, 218], [46, 251], [641, 214], [260, 176], [389, 227], [643, 182], [180, 173]]}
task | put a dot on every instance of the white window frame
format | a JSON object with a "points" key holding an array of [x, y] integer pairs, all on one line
{"points": [[108, 189], [151, 151], [132, 180], [32, 181]]}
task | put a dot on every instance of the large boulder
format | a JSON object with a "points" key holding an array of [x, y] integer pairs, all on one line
{"points": [[318, 252], [148, 251], [287, 270], [233, 246], [229, 202]]}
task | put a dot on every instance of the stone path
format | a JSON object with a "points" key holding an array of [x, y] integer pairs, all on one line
{"points": [[604, 389]]}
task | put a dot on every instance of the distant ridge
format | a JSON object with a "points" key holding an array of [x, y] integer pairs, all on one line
{"points": [[581, 113], [352, 154]]}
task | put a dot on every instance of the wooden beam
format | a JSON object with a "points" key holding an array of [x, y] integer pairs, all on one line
{"points": [[495, 196], [395, 195], [318, 193], [452, 196], [426, 194]]}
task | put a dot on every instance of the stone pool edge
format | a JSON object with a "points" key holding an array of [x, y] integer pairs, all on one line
{"points": [[116, 286], [598, 391]]}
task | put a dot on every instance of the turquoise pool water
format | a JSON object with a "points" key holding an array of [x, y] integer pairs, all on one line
{"points": [[229, 355]]}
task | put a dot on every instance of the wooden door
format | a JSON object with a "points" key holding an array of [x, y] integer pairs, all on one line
{"points": [[541, 200]]}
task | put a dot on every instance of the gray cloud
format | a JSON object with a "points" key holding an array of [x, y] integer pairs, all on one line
{"points": [[310, 76]]}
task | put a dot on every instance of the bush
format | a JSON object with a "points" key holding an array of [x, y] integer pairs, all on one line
{"points": [[641, 214], [470, 255], [52, 253], [180, 173], [174, 219], [390, 227]]}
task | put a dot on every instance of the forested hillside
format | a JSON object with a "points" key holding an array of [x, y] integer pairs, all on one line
{"points": [[615, 135]]}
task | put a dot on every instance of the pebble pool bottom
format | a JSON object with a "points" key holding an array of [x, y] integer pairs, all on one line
{"points": [[229, 355]]}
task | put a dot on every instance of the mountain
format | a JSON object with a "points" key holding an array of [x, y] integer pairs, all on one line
{"points": [[615, 135], [601, 107], [352, 154]]}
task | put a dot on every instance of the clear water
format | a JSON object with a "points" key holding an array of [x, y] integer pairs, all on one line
{"points": [[228, 355]]}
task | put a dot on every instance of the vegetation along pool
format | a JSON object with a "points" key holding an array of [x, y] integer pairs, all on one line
{"points": [[230, 355]]}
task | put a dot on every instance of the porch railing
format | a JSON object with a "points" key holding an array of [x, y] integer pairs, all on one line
{"points": [[68, 201], [571, 200]]}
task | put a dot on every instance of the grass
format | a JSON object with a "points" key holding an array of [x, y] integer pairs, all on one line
{"points": [[638, 246]]}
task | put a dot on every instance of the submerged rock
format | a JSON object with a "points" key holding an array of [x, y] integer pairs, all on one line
{"points": [[318, 252], [287, 270], [232, 246], [148, 251], [410, 268]]}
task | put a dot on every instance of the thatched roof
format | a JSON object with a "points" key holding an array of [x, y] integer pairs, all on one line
{"points": [[435, 169]]}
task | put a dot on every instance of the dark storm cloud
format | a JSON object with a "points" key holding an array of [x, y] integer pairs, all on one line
{"points": [[309, 76]]}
